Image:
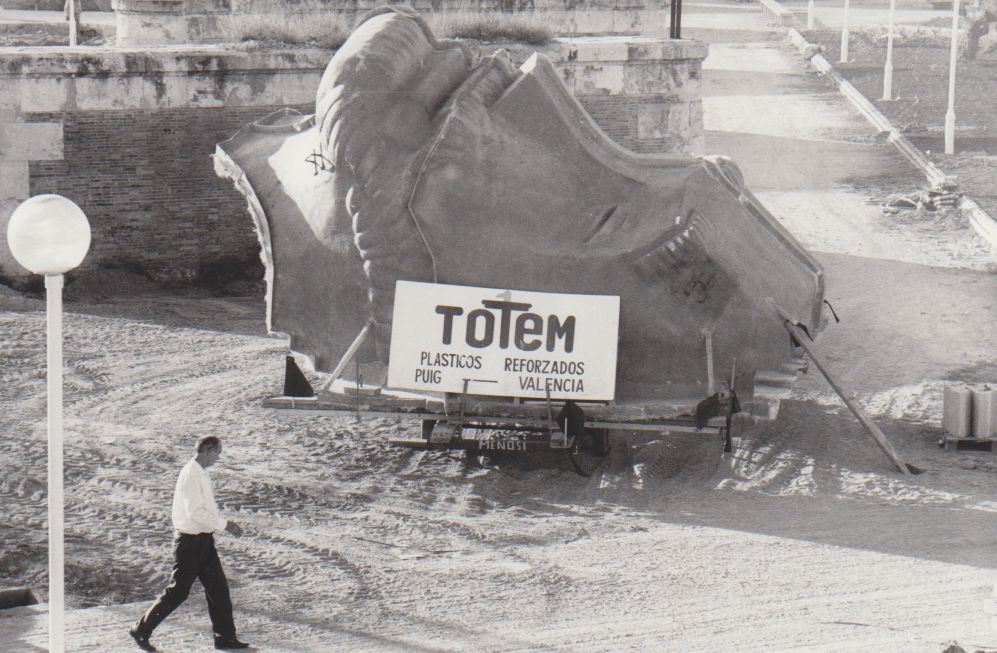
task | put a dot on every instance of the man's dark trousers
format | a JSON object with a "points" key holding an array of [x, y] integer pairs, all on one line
{"points": [[194, 556]]}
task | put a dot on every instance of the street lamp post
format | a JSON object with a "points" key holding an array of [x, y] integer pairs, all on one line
{"points": [[953, 55], [50, 235], [844, 35], [888, 68], [74, 22], [810, 14]]}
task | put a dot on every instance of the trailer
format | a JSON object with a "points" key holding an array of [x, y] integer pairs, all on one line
{"points": [[482, 424], [486, 424]]}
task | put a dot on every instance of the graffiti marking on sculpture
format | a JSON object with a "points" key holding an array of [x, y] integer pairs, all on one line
{"points": [[320, 162]]}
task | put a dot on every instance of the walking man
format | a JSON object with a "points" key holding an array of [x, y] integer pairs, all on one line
{"points": [[196, 518]]}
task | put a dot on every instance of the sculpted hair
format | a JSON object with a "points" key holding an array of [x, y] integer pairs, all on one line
{"points": [[208, 442]]}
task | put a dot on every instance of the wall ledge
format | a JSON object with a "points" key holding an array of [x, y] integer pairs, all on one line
{"points": [[103, 61]]}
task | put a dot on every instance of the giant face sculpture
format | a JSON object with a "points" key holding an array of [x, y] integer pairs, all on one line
{"points": [[436, 169]]}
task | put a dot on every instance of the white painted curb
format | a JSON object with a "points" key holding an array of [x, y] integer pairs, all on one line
{"points": [[776, 12], [982, 221]]}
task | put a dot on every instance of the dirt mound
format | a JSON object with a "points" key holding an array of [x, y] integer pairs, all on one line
{"points": [[12, 300], [103, 284]]}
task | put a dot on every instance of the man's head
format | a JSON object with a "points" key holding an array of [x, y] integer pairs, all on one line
{"points": [[209, 449]]}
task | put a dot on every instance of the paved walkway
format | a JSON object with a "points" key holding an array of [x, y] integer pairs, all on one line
{"points": [[832, 15], [811, 158]]}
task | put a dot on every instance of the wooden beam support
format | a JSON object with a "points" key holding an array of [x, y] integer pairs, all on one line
{"points": [[860, 414], [348, 356], [710, 381]]}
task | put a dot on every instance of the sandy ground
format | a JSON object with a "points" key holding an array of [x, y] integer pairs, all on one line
{"points": [[804, 538]]}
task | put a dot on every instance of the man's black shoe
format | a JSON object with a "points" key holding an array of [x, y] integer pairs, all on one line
{"points": [[140, 639], [229, 644]]}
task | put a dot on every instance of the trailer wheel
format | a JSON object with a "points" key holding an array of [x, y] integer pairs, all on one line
{"points": [[597, 442], [472, 458], [427, 429]]}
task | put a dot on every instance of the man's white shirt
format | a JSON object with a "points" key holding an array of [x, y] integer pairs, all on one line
{"points": [[194, 508]]}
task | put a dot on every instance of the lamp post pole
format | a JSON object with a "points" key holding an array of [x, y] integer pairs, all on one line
{"points": [[49, 235], [888, 68], [56, 497], [844, 35], [810, 14], [74, 26], [953, 56]]}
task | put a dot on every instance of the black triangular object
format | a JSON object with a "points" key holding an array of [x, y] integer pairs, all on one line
{"points": [[571, 419], [295, 383], [707, 408]]}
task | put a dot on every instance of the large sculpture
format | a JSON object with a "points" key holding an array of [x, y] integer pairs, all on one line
{"points": [[420, 165]]}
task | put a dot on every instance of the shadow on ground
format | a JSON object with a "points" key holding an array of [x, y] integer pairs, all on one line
{"points": [[811, 475]]}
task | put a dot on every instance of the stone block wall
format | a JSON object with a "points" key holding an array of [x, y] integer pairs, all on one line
{"points": [[146, 181], [128, 135]]}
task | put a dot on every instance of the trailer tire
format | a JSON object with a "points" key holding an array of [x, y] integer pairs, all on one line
{"points": [[597, 442]]}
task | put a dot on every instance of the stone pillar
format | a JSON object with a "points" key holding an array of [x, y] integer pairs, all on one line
{"points": [[150, 22], [21, 142], [13, 174], [206, 20]]}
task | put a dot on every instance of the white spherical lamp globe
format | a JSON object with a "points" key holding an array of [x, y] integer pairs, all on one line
{"points": [[48, 234]]}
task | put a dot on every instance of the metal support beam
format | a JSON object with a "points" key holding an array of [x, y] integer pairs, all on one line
{"points": [[953, 58], [351, 351], [860, 414]]}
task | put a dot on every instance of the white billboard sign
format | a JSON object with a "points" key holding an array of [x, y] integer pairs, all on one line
{"points": [[509, 343]]}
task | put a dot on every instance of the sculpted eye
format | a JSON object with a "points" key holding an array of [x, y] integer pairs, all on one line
{"points": [[600, 223]]}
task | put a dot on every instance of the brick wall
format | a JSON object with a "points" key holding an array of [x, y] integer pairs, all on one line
{"points": [[128, 135], [146, 181]]}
